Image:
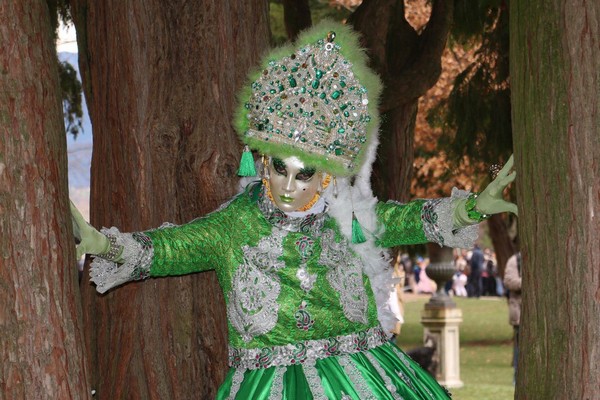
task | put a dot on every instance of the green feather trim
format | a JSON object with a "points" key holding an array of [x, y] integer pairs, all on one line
{"points": [[247, 164], [357, 233]]}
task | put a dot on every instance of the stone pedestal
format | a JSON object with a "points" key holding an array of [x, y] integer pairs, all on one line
{"points": [[441, 326]]}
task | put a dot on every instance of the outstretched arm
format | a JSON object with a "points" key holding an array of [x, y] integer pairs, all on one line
{"points": [[90, 240], [476, 208]]}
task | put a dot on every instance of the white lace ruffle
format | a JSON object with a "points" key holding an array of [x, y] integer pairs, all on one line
{"points": [[135, 261], [439, 225]]}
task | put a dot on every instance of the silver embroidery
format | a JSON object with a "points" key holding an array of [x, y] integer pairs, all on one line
{"points": [[236, 382], [310, 224], [404, 359], [345, 276], [355, 376], [406, 380], [136, 261], [386, 379], [252, 308], [306, 352], [307, 280], [437, 216], [277, 386], [314, 382]]}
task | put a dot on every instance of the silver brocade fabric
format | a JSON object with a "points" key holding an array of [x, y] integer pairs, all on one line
{"points": [[306, 352]]}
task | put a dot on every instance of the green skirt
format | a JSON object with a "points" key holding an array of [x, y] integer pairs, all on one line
{"points": [[384, 372]]}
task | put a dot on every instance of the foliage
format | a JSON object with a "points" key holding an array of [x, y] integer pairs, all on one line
{"points": [[472, 18], [70, 84], [71, 95], [476, 117], [60, 10]]}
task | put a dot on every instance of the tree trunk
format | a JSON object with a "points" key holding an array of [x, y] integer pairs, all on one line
{"points": [[296, 16], [409, 64], [555, 61], [503, 246], [160, 79], [41, 344], [393, 168]]}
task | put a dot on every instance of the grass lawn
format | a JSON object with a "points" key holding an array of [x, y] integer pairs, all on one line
{"points": [[485, 345]]}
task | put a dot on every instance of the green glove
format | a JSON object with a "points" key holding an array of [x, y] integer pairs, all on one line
{"points": [[488, 202], [90, 240]]}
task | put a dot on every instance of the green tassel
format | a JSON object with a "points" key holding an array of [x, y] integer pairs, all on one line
{"points": [[357, 233], [247, 164]]}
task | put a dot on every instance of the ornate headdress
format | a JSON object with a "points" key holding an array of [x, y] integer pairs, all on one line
{"points": [[316, 100]]}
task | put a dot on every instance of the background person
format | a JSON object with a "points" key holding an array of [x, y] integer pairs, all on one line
{"points": [[512, 283]]}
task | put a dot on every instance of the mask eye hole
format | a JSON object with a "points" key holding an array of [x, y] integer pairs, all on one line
{"points": [[305, 174], [279, 166]]}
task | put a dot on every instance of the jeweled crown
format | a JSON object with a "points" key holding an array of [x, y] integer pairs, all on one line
{"points": [[317, 101]]}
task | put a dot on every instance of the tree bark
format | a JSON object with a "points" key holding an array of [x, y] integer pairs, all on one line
{"points": [[41, 344], [503, 247], [296, 16], [160, 80], [409, 64], [555, 61]]}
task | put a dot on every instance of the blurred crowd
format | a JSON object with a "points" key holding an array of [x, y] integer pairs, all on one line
{"points": [[476, 274]]}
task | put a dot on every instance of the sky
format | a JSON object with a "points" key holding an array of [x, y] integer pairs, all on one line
{"points": [[79, 150]]}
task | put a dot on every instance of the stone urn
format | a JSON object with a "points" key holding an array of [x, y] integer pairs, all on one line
{"points": [[440, 270]]}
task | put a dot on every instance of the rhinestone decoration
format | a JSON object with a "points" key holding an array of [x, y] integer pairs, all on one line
{"points": [[311, 100]]}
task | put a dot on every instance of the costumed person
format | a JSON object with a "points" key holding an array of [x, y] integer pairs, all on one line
{"points": [[306, 285]]}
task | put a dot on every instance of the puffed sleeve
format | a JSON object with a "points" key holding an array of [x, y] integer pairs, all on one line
{"points": [[422, 221]]}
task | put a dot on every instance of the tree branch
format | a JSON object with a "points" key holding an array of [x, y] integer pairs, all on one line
{"points": [[407, 82]]}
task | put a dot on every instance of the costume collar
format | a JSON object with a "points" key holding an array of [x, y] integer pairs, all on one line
{"points": [[308, 222]]}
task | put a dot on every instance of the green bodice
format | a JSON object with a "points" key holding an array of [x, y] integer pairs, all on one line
{"points": [[285, 280], [295, 289], [280, 304]]}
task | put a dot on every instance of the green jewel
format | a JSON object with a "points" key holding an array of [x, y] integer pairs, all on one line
{"points": [[315, 84], [472, 212], [335, 95], [322, 95]]}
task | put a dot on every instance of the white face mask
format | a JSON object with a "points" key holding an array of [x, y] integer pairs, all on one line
{"points": [[293, 184]]}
